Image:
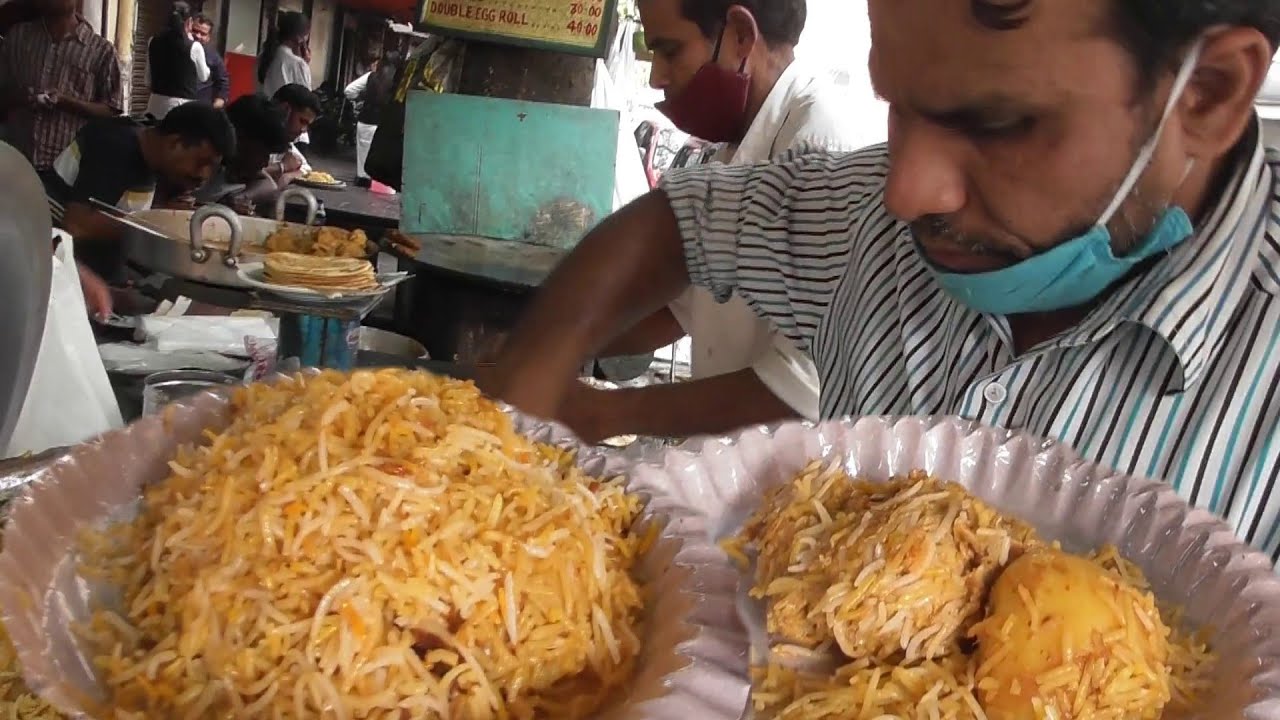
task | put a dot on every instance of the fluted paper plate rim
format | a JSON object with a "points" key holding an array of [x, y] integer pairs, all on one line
{"points": [[680, 654], [1191, 556]]}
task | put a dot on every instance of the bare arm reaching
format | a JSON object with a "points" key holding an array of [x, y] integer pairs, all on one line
{"points": [[629, 267]]}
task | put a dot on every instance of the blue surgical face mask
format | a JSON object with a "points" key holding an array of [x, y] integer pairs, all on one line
{"points": [[1080, 269]]}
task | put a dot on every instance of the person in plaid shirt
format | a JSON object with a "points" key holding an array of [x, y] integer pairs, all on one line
{"points": [[56, 74]]}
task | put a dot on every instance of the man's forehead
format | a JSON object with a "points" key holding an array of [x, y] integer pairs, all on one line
{"points": [[936, 54]]}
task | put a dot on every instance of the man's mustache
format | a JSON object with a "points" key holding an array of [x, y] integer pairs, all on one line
{"points": [[940, 228]]}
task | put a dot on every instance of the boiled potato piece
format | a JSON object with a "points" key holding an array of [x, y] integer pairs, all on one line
{"points": [[1066, 639]]}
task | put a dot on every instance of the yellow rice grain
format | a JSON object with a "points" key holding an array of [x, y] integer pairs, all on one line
{"points": [[856, 562], [358, 546]]}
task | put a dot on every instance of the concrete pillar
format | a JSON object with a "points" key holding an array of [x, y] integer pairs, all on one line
{"points": [[126, 16]]}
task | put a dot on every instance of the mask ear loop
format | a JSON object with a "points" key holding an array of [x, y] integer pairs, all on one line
{"points": [[715, 54], [1180, 83]]}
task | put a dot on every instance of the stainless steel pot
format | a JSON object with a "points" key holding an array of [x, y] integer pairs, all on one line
{"points": [[209, 244]]}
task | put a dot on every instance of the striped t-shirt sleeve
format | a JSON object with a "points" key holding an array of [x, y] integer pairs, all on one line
{"points": [[779, 235]]}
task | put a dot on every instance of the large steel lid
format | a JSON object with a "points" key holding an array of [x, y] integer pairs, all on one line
{"points": [[25, 268]]}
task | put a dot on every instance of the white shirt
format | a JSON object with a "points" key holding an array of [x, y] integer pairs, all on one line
{"points": [[294, 151], [1175, 375], [159, 105], [287, 69], [800, 110], [354, 90]]}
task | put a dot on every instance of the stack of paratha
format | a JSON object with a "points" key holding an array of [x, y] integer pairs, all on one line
{"points": [[324, 274]]}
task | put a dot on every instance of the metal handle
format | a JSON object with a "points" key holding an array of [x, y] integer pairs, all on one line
{"points": [[198, 252], [313, 205]]}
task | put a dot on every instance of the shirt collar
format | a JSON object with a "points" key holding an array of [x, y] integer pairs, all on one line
{"points": [[758, 144], [81, 33], [1188, 297]]}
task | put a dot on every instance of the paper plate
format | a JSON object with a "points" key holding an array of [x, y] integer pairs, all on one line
{"points": [[1192, 559], [42, 595]]}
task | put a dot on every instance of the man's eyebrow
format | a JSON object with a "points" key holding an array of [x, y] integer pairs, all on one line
{"points": [[978, 110]]}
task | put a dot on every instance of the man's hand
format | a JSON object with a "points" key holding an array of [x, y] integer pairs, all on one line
{"points": [[97, 296], [242, 204], [290, 163], [54, 100], [711, 406], [627, 268], [219, 103], [40, 99], [580, 412]]}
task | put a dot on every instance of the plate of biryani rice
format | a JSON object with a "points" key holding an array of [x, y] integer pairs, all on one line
{"points": [[17, 702], [936, 569], [375, 544]]}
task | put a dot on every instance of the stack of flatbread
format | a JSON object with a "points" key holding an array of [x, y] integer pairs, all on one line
{"points": [[324, 274]]}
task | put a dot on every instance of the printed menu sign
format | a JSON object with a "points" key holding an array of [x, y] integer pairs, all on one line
{"points": [[574, 26]]}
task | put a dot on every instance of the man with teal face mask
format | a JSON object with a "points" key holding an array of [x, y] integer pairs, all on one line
{"points": [[1072, 232]]}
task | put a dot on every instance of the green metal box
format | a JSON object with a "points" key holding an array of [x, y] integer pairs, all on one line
{"points": [[506, 169]]}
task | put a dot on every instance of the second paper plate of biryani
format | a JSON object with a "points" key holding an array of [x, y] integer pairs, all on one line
{"points": [[936, 569]]}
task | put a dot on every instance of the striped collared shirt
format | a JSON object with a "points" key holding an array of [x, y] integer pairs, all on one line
{"points": [[82, 65], [1175, 375]]}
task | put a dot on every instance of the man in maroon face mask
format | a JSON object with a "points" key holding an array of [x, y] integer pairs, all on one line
{"points": [[729, 74]]}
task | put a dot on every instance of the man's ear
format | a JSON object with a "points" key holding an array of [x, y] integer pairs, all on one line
{"points": [[741, 34], [1218, 104]]}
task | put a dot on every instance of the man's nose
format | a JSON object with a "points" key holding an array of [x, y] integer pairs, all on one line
{"points": [[658, 75], [925, 177]]}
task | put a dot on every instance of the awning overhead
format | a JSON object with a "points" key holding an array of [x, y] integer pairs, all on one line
{"points": [[403, 10]]}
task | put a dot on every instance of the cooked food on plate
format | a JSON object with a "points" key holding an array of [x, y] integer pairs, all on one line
{"points": [[322, 242], [319, 273], [376, 545], [323, 178], [17, 702], [913, 598]]}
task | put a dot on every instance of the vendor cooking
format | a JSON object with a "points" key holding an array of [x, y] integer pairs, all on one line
{"points": [[1071, 233], [728, 72], [118, 162]]}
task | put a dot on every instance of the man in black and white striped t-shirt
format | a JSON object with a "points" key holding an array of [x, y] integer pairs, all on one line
{"points": [[1072, 231]]}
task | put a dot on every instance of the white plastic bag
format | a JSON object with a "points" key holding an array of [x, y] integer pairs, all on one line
{"points": [[210, 333], [70, 399]]}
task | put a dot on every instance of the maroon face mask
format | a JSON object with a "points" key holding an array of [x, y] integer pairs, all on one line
{"points": [[713, 106]]}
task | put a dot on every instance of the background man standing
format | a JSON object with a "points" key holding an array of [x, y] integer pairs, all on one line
{"points": [[217, 89], [728, 71], [56, 74]]}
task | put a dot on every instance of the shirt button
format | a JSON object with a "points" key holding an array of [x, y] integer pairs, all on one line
{"points": [[995, 393]]}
